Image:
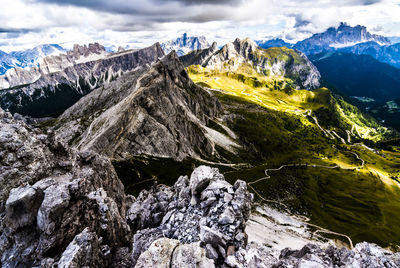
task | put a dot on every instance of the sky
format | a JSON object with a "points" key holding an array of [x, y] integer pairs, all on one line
{"points": [[138, 23]]}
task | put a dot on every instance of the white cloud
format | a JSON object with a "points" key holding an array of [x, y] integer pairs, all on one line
{"points": [[137, 23]]}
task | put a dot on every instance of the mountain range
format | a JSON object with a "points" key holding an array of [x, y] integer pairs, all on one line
{"points": [[28, 58], [60, 81], [344, 38]]}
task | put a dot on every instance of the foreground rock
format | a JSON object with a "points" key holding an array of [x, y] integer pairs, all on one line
{"points": [[56, 204], [204, 209], [67, 208], [364, 255]]}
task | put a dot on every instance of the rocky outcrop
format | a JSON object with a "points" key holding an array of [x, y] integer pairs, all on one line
{"points": [[63, 80], [166, 252], [67, 208], [160, 113], [204, 208], [364, 255]]}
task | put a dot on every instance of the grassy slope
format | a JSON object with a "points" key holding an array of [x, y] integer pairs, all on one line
{"points": [[274, 127], [361, 202]]}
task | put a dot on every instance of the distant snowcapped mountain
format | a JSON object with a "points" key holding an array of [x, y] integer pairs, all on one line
{"points": [[185, 44], [32, 57], [6, 62], [277, 42], [337, 38], [52, 64], [28, 58]]}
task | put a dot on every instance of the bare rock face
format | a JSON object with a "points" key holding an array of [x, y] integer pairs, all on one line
{"points": [[52, 64], [60, 207], [56, 205]]}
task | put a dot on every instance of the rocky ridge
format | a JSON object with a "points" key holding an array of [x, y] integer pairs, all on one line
{"points": [[64, 79], [160, 113], [60, 207]]}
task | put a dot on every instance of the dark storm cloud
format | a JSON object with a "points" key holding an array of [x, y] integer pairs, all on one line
{"points": [[14, 30], [138, 7], [118, 6]]}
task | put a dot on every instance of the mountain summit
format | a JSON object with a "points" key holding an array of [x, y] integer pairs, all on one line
{"points": [[340, 37], [185, 44]]}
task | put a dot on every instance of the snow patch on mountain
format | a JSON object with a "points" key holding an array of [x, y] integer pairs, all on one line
{"points": [[185, 44]]}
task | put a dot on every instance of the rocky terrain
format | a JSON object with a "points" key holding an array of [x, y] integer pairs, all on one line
{"points": [[61, 80], [237, 56], [60, 207], [185, 44], [160, 113]]}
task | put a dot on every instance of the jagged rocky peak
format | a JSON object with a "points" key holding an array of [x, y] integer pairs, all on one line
{"points": [[245, 46], [86, 50]]}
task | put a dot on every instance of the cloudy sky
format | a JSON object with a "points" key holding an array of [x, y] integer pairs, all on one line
{"points": [[137, 23]]}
